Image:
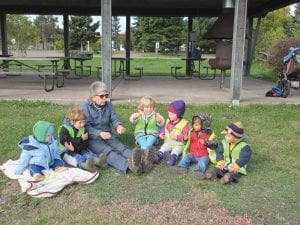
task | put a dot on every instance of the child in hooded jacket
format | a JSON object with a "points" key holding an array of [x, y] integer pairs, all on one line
{"points": [[39, 151]]}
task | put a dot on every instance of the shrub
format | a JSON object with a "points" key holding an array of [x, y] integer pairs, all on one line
{"points": [[279, 50]]}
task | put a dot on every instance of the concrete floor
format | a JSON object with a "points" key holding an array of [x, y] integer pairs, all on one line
{"points": [[162, 89]]}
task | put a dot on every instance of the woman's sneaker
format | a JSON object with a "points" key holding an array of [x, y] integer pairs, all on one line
{"points": [[101, 161], [134, 161], [88, 165]]}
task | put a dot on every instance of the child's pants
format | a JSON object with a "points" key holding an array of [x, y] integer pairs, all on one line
{"points": [[177, 150], [146, 142], [33, 168], [202, 162]]}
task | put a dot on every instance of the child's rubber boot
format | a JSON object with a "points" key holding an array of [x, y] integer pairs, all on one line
{"points": [[148, 158], [158, 156], [172, 160], [134, 161], [88, 165], [101, 161]]}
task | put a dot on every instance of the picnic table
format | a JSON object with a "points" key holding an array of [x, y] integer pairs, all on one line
{"points": [[53, 76]]}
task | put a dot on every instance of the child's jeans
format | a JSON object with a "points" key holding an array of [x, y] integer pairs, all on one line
{"points": [[147, 141], [188, 159], [76, 159], [33, 168]]}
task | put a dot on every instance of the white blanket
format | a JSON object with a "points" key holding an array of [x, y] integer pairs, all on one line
{"points": [[53, 183]]}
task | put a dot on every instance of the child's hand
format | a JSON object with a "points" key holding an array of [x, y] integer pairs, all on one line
{"points": [[69, 146], [137, 115], [159, 119], [185, 138], [201, 141], [105, 135], [161, 136], [85, 136], [221, 164], [121, 129], [173, 137], [235, 168]]}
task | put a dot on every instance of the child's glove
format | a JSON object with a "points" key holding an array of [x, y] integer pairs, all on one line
{"points": [[235, 168], [211, 144]]}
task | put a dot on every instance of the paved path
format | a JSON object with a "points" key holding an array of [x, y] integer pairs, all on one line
{"points": [[163, 89]]}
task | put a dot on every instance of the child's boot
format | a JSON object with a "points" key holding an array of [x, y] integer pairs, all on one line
{"points": [[148, 158], [226, 178], [134, 161], [158, 156], [210, 175], [88, 165], [172, 160], [101, 161]]}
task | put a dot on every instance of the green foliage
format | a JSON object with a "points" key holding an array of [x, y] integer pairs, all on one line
{"points": [[115, 32], [82, 30], [23, 31], [273, 28], [168, 31], [47, 29]]}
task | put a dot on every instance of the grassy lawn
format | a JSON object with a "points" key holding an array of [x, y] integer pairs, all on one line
{"points": [[160, 65], [268, 195]]}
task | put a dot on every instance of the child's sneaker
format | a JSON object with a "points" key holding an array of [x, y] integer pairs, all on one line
{"points": [[101, 161], [198, 175], [148, 158], [178, 170], [38, 177], [88, 165], [172, 160], [59, 169], [134, 161]]}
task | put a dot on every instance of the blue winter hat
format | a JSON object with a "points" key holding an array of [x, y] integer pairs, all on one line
{"points": [[177, 107]]}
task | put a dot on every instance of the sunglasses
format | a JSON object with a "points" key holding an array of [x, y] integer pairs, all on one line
{"points": [[102, 96]]}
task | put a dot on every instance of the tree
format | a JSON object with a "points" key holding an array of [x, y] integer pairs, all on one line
{"points": [[115, 31], [168, 31], [21, 32], [296, 20], [273, 28], [48, 29], [82, 31]]}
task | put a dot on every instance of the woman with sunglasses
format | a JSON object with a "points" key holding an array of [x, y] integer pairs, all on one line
{"points": [[100, 118]]}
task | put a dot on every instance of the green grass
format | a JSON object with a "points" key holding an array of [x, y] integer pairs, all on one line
{"points": [[268, 195]]}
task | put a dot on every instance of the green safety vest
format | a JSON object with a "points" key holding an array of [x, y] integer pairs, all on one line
{"points": [[70, 129], [176, 130], [142, 128], [231, 156]]}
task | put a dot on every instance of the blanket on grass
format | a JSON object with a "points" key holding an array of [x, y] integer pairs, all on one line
{"points": [[53, 183]]}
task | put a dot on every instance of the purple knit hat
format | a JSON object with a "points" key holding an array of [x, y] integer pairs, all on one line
{"points": [[178, 107]]}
